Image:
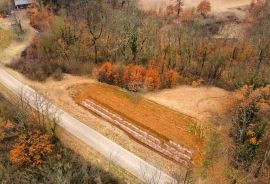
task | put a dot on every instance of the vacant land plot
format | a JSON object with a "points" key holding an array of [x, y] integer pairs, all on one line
{"points": [[204, 103], [149, 116]]}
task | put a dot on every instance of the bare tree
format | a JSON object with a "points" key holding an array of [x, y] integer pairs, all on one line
{"points": [[95, 17], [179, 7]]}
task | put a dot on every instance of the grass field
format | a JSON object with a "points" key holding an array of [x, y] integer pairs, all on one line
{"points": [[5, 39], [159, 120]]}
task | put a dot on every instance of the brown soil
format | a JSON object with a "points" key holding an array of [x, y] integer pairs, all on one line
{"points": [[203, 103]]}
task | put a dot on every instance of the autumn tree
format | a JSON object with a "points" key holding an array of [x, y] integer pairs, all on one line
{"points": [[31, 148], [178, 6], [109, 74], [258, 10], [250, 111], [204, 8], [170, 78], [95, 18], [92, 15], [175, 8], [40, 16], [152, 77], [134, 77], [135, 44]]}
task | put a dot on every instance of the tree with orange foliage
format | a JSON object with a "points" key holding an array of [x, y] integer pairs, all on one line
{"points": [[204, 8], [105, 73], [31, 148], [170, 78], [152, 79], [134, 77], [109, 74]]}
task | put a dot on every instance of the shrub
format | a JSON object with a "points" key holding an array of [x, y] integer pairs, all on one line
{"points": [[31, 148], [58, 74], [109, 74], [170, 78], [152, 79], [134, 77], [4, 7]]}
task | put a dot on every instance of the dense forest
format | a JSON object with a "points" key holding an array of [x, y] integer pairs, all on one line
{"points": [[122, 45]]}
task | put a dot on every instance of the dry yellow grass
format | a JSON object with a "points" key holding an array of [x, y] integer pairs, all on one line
{"points": [[152, 117], [5, 39]]}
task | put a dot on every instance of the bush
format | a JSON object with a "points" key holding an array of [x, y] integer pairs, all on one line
{"points": [[58, 74], [134, 78], [4, 7], [152, 79], [40, 17], [170, 78]]}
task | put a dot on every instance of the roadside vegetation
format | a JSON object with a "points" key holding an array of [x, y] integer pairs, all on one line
{"points": [[31, 153]]}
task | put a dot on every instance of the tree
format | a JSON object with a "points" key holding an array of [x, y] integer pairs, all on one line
{"points": [[204, 8], [250, 120], [31, 148], [110, 74], [134, 77], [178, 7], [188, 15], [152, 78], [170, 78], [40, 16], [94, 16], [175, 8]]}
